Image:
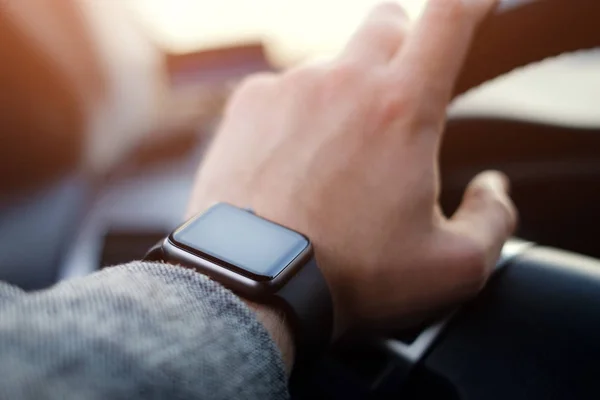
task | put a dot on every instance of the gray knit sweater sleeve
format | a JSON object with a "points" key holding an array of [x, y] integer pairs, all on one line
{"points": [[138, 331]]}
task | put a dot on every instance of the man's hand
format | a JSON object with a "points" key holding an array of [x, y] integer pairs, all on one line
{"points": [[346, 152]]}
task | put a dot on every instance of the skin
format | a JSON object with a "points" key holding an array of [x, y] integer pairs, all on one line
{"points": [[347, 153]]}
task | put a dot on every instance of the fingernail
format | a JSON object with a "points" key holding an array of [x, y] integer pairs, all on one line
{"points": [[498, 181]]}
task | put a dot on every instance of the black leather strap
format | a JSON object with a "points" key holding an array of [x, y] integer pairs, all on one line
{"points": [[311, 315]]}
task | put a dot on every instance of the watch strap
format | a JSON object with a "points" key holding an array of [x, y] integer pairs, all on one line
{"points": [[156, 252], [311, 316], [310, 307]]}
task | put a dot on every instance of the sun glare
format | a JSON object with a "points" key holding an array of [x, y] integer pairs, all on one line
{"points": [[292, 29]]}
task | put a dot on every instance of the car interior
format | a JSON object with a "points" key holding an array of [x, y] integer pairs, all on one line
{"points": [[532, 333]]}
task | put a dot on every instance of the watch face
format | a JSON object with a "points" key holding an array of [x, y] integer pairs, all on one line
{"points": [[241, 241]]}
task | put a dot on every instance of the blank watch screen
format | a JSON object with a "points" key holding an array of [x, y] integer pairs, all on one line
{"points": [[241, 239]]}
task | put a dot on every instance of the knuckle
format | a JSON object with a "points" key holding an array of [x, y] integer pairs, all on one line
{"points": [[344, 74], [250, 89], [340, 80], [252, 86], [301, 77], [256, 82], [392, 107]]}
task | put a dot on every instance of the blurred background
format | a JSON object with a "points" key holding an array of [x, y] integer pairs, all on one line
{"points": [[292, 30], [107, 105], [565, 90]]}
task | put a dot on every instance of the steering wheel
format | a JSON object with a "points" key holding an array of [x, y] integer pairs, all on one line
{"points": [[523, 32], [532, 333]]}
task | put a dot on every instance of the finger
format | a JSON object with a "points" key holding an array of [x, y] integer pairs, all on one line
{"points": [[487, 214], [252, 87], [434, 52], [379, 37]]}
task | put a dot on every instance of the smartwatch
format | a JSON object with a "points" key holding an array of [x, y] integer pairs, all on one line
{"points": [[260, 261]]}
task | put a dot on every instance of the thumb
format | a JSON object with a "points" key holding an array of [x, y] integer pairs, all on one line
{"points": [[487, 215]]}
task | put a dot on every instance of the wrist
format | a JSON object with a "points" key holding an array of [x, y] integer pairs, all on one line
{"points": [[274, 320], [259, 259]]}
